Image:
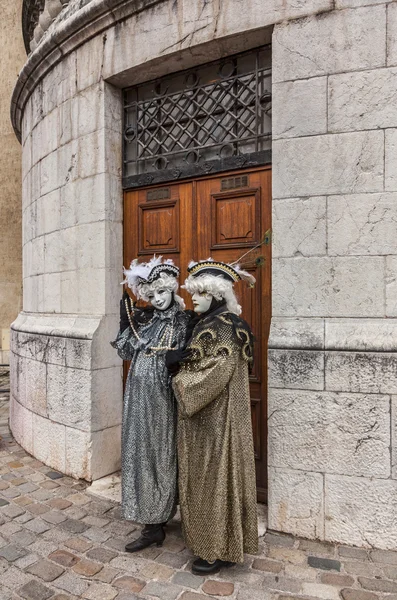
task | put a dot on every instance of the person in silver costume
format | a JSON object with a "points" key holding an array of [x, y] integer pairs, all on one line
{"points": [[148, 444]]}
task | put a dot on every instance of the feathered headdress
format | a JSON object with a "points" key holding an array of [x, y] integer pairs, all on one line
{"points": [[147, 272]]}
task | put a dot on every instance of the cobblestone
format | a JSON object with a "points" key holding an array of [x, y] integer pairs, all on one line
{"points": [[59, 542], [46, 570]]}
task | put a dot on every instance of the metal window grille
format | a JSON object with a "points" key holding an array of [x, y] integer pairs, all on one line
{"points": [[208, 119]]}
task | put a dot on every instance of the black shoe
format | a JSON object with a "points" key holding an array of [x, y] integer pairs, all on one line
{"points": [[203, 567], [151, 534]]}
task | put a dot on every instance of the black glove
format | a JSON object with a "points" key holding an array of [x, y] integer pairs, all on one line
{"points": [[124, 321], [174, 357]]}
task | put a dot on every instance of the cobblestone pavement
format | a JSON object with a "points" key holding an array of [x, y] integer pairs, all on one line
{"points": [[57, 541]]}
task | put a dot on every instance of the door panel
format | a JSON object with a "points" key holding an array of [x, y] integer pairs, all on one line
{"points": [[230, 222], [222, 217]]}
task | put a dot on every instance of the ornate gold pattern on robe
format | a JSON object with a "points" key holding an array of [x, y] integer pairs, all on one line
{"points": [[217, 486]]}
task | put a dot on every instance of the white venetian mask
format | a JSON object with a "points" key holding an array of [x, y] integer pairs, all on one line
{"points": [[160, 299], [201, 302]]}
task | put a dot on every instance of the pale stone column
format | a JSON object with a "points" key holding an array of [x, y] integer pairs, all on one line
{"points": [[66, 378], [333, 360]]}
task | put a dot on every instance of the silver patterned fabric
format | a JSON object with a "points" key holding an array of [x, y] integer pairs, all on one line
{"points": [[148, 442]]}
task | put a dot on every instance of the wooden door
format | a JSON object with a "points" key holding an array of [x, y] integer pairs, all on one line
{"points": [[223, 217]]}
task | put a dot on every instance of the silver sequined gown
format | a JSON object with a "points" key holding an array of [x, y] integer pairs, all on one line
{"points": [[148, 442]]}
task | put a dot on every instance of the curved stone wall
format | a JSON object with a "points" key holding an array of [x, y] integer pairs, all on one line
{"points": [[332, 383]]}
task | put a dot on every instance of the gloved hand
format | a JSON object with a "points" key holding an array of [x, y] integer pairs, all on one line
{"points": [[124, 321], [174, 357]]}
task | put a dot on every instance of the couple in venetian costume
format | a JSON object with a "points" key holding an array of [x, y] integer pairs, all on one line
{"points": [[186, 416]]}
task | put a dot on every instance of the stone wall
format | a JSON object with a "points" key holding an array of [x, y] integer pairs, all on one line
{"points": [[333, 361], [12, 58], [66, 379], [332, 414]]}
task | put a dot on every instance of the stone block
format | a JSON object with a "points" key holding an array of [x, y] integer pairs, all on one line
{"points": [[103, 355], [26, 121], [49, 442], [77, 291], [347, 32], [89, 63], [391, 34], [67, 160], [328, 286], [78, 353], [26, 157], [130, 584], [112, 107], [218, 588], [394, 437], [66, 125], [362, 224], [331, 432], [299, 108], [37, 258], [354, 594], [296, 369], [299, 227], [49, 173], [50, 297], [48, 214], [36, 382], [107, 391], [69, 396], [296, 333], [45, 136], [64, 75], [391, 286], [17, 374], [46, 570], [34, 590], [106, 451], [162, 590], [361, 511], [326, 564], [358, 3], [391, 159], [100, 590], [186, 579], [91, 154], [342, 163], [70, 582], [361, 334], [365, 372], [337, 580], [320, 590], [362, 100], [87, 568], [88, 111], [296, 503], [78, 456]]}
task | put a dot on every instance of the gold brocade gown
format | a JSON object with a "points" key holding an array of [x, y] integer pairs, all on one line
{"points": [[217, 486]]}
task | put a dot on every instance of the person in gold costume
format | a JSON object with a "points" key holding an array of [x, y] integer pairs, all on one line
{"points": [[217, 488]]}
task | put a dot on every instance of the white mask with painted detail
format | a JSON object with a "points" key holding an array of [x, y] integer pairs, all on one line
{"points": [[160, 299], [201, 302]]}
